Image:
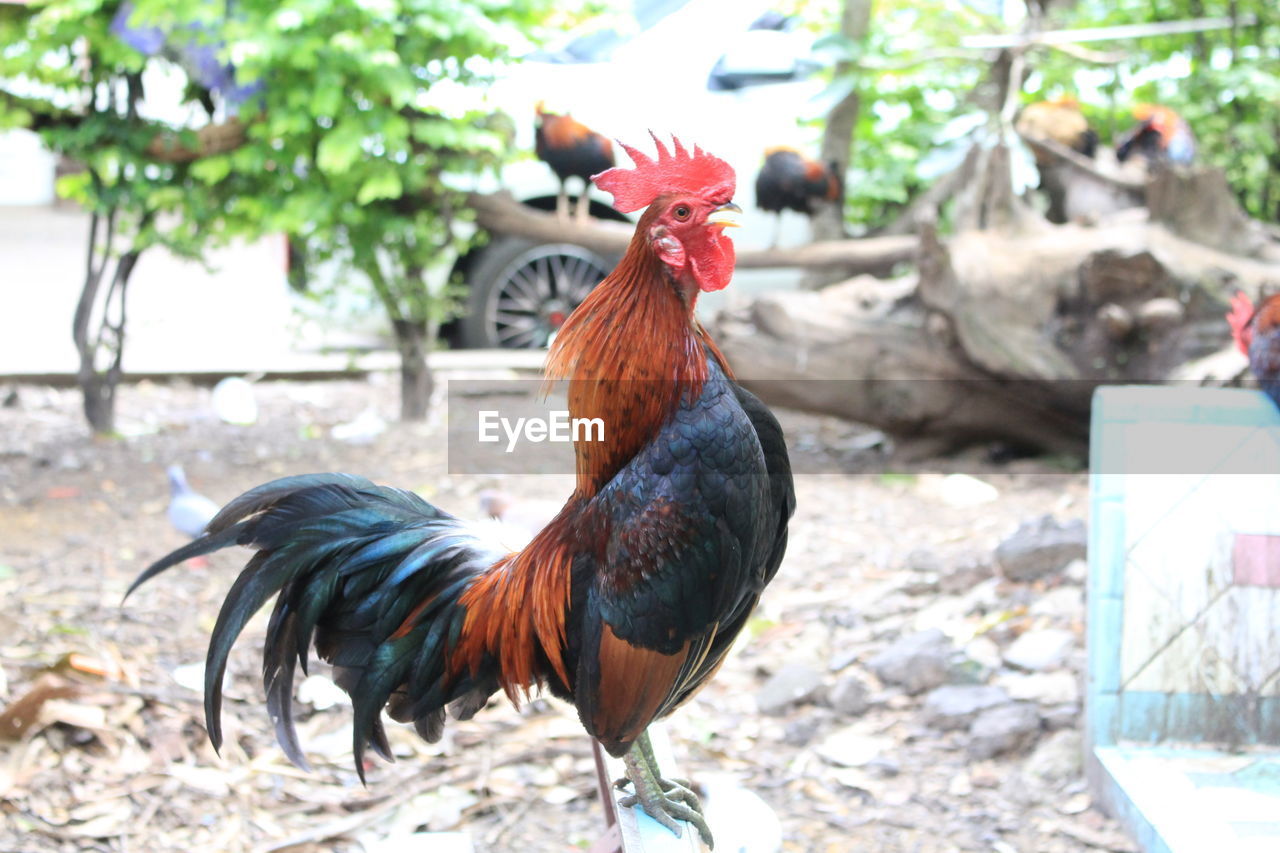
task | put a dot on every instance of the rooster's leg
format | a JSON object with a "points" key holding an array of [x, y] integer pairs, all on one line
{"points": [[584, 204], [562, 202], [663, 800]]}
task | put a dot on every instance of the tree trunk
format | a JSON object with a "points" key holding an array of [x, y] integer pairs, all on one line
{"points": [[837, 137], [99, 392], [98, 383], [413, 341]]}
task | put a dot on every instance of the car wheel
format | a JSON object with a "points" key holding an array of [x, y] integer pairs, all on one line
{"points": [[521, 292]]}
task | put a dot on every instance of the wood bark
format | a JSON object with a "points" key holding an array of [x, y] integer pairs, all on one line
{"points": [[413, 342], [837, 134], [100, 347]]}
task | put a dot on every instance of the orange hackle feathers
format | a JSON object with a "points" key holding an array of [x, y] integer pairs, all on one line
{"points": [[1240, 319], [593, 350], [699, 173], [1161, 119]]}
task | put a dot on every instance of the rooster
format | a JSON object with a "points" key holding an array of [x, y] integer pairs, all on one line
{"points": [[1159, 135], [572, 150], [1061, 121], [1257, 332], [624, 604], [790, 181]]}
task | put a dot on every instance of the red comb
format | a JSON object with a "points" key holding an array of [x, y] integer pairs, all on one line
{"points": [[1239, 318], [698, 173]]}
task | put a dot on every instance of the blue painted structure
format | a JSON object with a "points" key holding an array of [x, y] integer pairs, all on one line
{"points": [[1183, 694]]}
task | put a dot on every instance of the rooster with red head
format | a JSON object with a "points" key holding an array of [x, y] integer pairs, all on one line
{"points": [[1159, 135], [624, 604], [1257, 333]]}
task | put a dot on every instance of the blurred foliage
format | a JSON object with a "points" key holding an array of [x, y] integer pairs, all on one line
{"points": [[923, 99], [63, 73], [361, 117], [1226, 83]]}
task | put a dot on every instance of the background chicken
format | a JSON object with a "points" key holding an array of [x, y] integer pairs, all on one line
{"points": [[572, 150], [1061, 121], [790, 181], [1159, 135], [189, 511], [624, 604], [1257, 333]]}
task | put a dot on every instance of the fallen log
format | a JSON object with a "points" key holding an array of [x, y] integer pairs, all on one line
{"points": [[500, 213], [1001, 336]]}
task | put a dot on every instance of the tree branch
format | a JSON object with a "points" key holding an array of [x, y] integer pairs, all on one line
{"points": [[1062, 153], [166, 145]]}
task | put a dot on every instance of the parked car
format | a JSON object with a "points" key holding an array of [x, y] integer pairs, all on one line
{"points": [[732, 77]]}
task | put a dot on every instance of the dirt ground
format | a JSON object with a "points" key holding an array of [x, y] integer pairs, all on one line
{"points": [[119, 761]]}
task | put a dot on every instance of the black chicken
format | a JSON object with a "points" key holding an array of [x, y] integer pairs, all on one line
{"points": [[790, 181], [572, 150]]}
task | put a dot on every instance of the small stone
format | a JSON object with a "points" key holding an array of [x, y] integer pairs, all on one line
{"points": [[793, 684], [849, 696], [1116, 321], [923, 560], [960, 785], [965, 573], [1077, 571], [1061, 716], [1057, 759], [922, 583], [1046, 688], [917, 662], [1160, 314], [883, 766], [1005, 728], [849, 748], [1047, 648], [985, 776], [1064, 604], [955, 706], [1040, 548], [801, 732], [1076, 803], [984, 651]]}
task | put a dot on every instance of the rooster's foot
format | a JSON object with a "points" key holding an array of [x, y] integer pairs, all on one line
{"points": [[666, 801]]}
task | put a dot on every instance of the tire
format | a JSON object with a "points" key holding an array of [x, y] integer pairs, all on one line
{"points": [[519, 292]]}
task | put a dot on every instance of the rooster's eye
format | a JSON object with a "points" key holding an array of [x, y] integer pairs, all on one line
{"points": [[682, 213]]}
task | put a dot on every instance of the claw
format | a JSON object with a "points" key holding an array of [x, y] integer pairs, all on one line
{"points": [[664, 800]]}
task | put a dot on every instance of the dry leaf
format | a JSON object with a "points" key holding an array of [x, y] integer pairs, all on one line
{"points": [[25, 712], [207, 780], [75, 714]]}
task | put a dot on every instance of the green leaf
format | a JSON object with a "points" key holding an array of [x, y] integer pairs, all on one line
{"points": [[211, 169], [75, 186], [339, 149], [382, 184]]}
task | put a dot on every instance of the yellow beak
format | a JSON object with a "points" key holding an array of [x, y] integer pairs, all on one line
{"points": [[727, 215]]}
